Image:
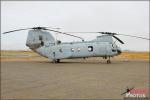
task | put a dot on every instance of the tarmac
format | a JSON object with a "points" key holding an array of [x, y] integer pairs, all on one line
{"points": [[72, 79]]}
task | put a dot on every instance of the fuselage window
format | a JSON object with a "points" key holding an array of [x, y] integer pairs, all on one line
{"points": [[60, 50], [58, 42], [40, 37], [78, 49], [33, 39], [42, 43], [113, 50], [90, 48], [72, 50]]}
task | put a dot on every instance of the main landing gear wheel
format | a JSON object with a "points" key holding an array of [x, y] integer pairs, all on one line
{"points": [[56, 60]]}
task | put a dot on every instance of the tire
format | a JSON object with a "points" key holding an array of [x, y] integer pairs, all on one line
{"points": [[108, 61], [56, 60]]}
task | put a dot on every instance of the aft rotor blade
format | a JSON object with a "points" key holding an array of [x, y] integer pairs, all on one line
{"points": [[81, 32], [118, 39], [94, 32], [134, 36], [65, 34], [16, 30], [110, 33]]}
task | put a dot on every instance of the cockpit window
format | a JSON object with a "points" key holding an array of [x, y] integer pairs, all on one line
{"points": [[112, 45]]}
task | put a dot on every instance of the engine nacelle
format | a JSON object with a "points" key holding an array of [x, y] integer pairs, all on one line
{"points": [[37, 38], [105, 38]]}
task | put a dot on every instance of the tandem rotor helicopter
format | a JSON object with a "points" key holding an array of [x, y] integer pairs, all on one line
{"points": [[42, 42]]}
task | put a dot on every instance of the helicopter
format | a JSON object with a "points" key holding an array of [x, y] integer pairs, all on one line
{"points": [[41, 41]]}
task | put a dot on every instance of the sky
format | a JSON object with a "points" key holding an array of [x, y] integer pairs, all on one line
{"points": [[124, 17]]}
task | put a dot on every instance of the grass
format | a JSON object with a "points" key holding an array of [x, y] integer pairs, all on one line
{"points": [[32, 56], [135, 55], [21, 56], [14, 53]]}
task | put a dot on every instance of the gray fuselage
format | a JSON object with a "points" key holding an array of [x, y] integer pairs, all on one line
{"points": [[44, 44]]}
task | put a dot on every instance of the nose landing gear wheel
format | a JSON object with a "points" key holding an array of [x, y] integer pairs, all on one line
{"points": [[108, 61]]}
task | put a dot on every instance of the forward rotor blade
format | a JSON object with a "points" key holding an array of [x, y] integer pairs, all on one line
{"points": [[34, 28], [65, 34], [118, 39], [57, 28], [16, 30], [134, 36]]}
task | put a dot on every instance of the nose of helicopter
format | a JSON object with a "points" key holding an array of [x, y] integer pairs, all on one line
{"points": [[119, 50]]}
